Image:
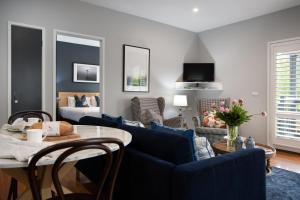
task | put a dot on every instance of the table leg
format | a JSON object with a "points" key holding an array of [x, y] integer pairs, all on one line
{"points": [[268, 167], [45, 177]]}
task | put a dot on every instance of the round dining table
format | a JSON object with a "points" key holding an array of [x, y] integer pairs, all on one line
{"points": [[17, 169]]}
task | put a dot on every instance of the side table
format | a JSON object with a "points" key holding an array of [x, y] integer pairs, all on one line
{"points": [[270, 152]]}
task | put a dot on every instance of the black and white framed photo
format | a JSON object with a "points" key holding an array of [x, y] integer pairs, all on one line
{"points": [[85, 73], [136, 69]]}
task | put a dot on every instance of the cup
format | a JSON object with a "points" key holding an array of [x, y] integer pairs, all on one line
{"points": [[35, 135], [33, 120]]}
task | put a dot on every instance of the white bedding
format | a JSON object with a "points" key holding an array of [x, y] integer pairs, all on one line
{"points": [[75, 113]]}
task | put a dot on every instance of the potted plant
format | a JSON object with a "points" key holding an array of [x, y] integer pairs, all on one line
{"points": [[234, 116]]}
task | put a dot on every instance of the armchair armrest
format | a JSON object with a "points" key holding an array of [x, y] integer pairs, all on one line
{"points": [[175, 122], [235, 176]]}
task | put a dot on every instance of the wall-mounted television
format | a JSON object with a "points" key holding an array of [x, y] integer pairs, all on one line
{"points": [[198, 72]]}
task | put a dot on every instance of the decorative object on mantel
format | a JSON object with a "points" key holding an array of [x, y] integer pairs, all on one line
{"points": [[250, 143], [180, 101], [234, 116], [136, 69]]}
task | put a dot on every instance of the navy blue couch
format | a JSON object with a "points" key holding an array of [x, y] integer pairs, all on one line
{"points": [[160, 166]]}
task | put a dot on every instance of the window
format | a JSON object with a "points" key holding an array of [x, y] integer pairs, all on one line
{"points": [[284, 93]]}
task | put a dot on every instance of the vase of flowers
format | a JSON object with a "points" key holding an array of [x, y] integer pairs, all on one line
{"points": [[234, 116]]}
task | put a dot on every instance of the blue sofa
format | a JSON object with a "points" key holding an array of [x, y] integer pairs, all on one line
{"points": [[160, 166]]}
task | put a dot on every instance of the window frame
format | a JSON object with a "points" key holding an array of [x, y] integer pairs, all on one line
{"points": [[278, 141]]}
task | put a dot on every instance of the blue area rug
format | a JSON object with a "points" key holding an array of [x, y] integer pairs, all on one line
{"points": [[283, 185]]}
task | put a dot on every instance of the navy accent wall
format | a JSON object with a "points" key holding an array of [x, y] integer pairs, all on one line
{"points": [[66, 55]]}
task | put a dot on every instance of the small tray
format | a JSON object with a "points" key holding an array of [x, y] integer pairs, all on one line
{"points": [[55, 138]]}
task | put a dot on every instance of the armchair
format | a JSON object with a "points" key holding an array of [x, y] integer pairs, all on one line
{"points": [[212, 134], [140, 105]]}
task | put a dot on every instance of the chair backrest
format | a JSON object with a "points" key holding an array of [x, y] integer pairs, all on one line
{"points": [[30, 113], [206, 104], [139, 105], [108, 173]]}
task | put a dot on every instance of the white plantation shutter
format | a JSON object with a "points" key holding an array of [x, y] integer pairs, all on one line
{"points": [[287, 66], [284, 96]]}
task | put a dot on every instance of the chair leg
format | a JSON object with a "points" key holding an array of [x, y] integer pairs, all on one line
{"points": [[13, 189], [77, 175]]}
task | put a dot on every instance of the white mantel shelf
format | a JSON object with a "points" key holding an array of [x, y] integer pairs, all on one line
{"points": [[201, 86]]}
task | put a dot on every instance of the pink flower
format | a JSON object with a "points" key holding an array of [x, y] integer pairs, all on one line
{"points": [[205, 113], [241, 102], [234, 102], [222, 109], [222, 103], [226, 110], [264, 113]]}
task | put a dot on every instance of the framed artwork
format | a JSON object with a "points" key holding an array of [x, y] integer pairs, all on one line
{"points": [[85, 73], [136, 69]]}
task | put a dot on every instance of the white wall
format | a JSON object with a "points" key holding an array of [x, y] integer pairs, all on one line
{"points": [[170, 47], [240, 53]]}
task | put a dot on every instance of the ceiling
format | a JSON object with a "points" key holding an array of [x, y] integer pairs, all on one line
{"points": [[211, 14]]}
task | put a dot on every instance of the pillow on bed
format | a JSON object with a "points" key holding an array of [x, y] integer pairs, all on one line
{"points": [[87, 102], [71, 102], [93, 101], [98, 101], [78, 102]]}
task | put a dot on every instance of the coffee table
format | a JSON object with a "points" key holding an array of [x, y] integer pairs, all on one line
{"points": [[270, 152]]}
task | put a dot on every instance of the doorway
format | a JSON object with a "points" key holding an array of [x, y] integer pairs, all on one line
{"points": [[25, 68], [78, 76]]}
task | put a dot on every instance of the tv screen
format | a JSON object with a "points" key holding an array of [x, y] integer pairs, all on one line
{"points": [[198, 72]]}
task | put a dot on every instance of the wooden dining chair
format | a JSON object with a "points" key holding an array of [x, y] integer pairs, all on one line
{"points": [[30, 113], [13, 188], [108, 173]]}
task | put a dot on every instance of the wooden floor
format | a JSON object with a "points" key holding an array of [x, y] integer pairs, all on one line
{"points": [[285, 160]]}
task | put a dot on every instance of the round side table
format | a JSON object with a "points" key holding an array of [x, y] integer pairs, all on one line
{"points": [[270, 152]]}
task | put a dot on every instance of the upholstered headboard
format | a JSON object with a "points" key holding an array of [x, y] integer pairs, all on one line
{"points": [[63, 96]]}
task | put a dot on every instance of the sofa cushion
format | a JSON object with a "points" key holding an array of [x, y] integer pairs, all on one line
{"points": [[96, 121], [118, 120], [173, 148], [189, 134], [203, 149], [149, 116]]}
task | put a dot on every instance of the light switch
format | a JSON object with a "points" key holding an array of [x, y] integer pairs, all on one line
{"points": [[255, 93]]}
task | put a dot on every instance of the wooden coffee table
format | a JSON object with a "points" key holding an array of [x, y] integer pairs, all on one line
{"points": [[222, 148]]}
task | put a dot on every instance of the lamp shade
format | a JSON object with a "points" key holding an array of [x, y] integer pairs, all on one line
{"points": [[180, 100]]}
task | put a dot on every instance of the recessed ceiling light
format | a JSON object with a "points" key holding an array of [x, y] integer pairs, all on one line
{"points": [[195, 10]]}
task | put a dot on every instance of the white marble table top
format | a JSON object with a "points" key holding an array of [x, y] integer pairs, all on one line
{"points": [[85, 132]]}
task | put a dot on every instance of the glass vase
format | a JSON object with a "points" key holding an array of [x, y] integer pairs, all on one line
{"points": [[232, 133]]}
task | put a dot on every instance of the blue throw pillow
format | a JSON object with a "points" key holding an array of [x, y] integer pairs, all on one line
{"points": [[189, 133], [118, 120]]}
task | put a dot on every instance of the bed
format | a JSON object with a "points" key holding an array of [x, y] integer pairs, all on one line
{"points": [[73, 114]]}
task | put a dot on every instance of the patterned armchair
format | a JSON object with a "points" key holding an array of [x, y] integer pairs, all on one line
{"points": [[140, 105], [212, 134]]}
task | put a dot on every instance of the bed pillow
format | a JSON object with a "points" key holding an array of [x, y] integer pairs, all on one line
{"points": [[188, 133], [78, 102], [93, 101], [87, 101], [97, 101], [71, 102], [118, 120]]}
